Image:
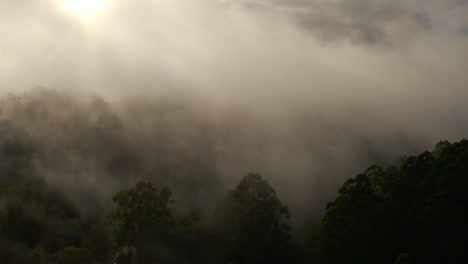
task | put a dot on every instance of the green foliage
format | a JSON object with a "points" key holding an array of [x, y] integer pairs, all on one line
{"points": [[16, 154], [144, 220], [403, 259], [352, 222], [72, 232], [72, 255], [100, 242], [36, 224], [439, 147], [22, 226], [38, 255], [13, 252], [125, 256], [253, 223], [419, 208], [195, 242]]}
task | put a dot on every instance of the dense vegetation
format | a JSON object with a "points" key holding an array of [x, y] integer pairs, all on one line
{"points": [[415, 212], [419, 209], [39, 225]]}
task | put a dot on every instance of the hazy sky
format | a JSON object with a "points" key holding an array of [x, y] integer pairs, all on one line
{"points": [[330, 81], [247, 49]]}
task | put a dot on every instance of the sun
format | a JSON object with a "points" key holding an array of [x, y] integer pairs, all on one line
{"points": [[84, 5]]}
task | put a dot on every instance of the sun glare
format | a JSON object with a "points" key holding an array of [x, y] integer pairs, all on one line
{"points": [[84, 5]]}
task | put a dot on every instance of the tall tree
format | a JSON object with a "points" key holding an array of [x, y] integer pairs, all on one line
{"points": [[253, 222], [419, 208], [144, 220]]}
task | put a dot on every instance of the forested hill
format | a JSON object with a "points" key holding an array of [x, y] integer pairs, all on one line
{"points": [[418, 209], [414, 212]]}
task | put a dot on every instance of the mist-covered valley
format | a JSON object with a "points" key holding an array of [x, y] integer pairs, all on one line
{"points": [[212, 98]]}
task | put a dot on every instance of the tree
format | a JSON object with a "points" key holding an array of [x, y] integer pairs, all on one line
{"points": [[439, 147], [253, 222], [403, 259], [143, 220], [100, 242], [419, 208], [72, 255], [351, 229], [22, 226]]}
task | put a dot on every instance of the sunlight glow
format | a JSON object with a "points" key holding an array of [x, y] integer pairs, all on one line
{"points": [[84, 5]]}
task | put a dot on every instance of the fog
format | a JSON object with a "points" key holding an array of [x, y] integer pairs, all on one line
{"points": [[196, 94]]}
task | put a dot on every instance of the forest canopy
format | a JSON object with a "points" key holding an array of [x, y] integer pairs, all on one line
{"points": [[418, 208], [411, 212]]}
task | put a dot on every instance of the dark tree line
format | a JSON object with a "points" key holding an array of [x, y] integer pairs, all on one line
{"points": [[38, 225], [415, 212], [249, 226], [41, 226]]}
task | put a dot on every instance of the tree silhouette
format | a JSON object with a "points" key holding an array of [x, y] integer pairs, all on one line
{"points": [[143, 220], [252, 221], [419, 208]]}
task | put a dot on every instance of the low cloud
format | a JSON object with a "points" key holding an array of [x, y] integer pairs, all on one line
{"points": [[305, 93]]}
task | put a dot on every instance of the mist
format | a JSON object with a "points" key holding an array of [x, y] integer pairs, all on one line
{"points": [[196, 94]]}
